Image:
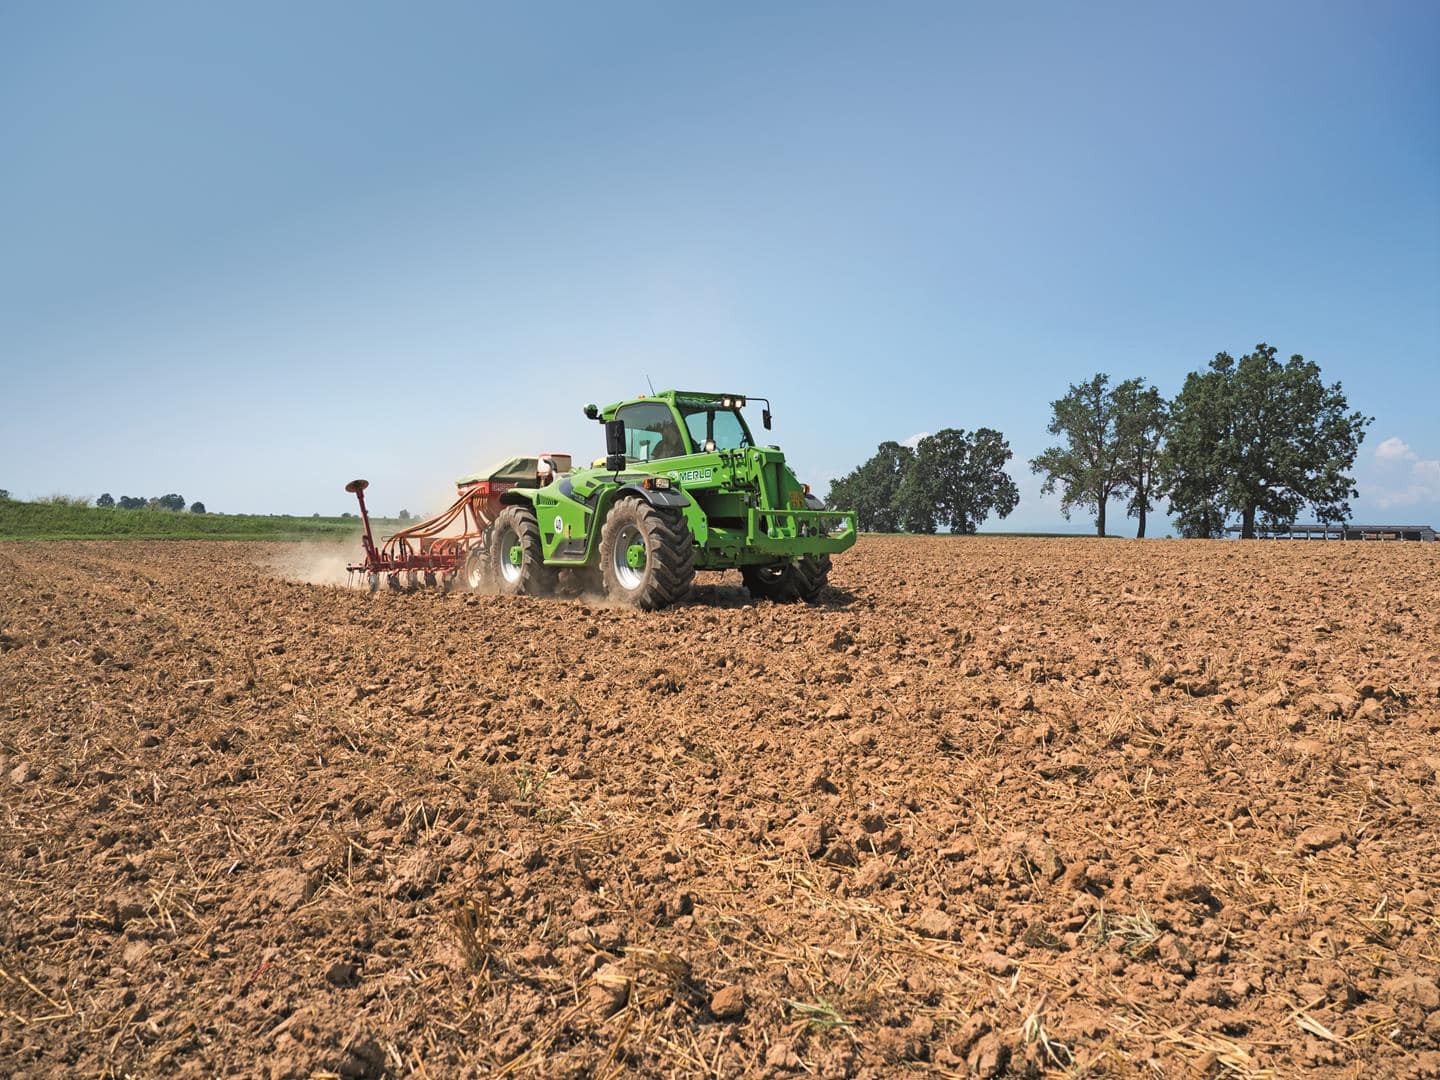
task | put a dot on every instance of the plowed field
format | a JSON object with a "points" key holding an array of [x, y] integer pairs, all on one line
{"points": [[995, 806]]}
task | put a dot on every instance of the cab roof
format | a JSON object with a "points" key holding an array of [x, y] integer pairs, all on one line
{"points": [[673, 397]]}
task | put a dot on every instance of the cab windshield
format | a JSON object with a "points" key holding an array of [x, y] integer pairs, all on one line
{"points": [[713, 427]]}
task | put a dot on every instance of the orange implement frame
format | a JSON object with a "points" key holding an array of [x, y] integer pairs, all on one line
{"points": [[432, 551]]}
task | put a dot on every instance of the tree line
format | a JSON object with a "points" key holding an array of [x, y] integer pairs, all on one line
{"points": [[108, 502], [1254, 440], [952, 478], [173, 502], [161, 502]]}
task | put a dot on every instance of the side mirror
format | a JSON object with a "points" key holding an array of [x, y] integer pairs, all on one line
{"points": [[592, 412], [765, 418], [614, 445]]}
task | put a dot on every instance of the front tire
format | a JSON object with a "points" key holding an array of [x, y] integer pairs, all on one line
{"points": [[517, 563], [647, 557], [787, 582]]}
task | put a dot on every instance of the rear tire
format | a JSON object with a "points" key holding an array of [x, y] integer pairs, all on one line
{"points": [[474, 574], [803, 579], [516, 527], [667, 567]]}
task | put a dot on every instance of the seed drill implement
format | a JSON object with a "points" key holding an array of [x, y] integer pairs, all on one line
{"points": [[448, 548]]}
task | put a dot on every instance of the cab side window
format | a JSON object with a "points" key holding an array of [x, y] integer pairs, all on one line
{"points": [[651, 432]]}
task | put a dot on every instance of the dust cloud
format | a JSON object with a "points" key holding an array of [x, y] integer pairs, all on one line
{"points": [[314, 563]]}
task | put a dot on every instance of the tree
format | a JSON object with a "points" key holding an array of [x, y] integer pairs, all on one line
{"points": [[171, 502], [197, 508], [404, 515], [871, 489], [1260, 439], [105, 501], [958, 480], [131, 502], [1191, 472], [1140, 418], [1087, 467], [4, 495]]}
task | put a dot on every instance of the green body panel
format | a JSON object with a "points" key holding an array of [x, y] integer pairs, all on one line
{"points": [[744, 506]]}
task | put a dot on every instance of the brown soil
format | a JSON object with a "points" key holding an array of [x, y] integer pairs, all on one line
{"points": [[997, 806]]}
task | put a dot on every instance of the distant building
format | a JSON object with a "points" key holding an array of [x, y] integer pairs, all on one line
{"points": [[1343, 532]]}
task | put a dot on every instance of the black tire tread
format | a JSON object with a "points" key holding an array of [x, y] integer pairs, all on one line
{"points": [[671, 566], [536, 579], [803, 579], [473, 557]]}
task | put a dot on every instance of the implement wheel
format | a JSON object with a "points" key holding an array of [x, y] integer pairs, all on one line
{"points": [[516, 562], [799, 580], [647, 556]]}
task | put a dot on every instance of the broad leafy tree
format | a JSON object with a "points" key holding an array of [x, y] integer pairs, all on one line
{"points": [[1192, 470], [197, 508], [171, 502], [953, 479], [958, 479], [132, 502], [1086, 467], [105, 501], [1260, 439], [871, 489], [1140, 418]]}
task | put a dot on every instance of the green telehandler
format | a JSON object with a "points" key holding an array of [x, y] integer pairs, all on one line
{"points": [[683, 487]]}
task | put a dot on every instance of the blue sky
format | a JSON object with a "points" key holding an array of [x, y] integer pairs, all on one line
{"points": [[250, 251]]}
